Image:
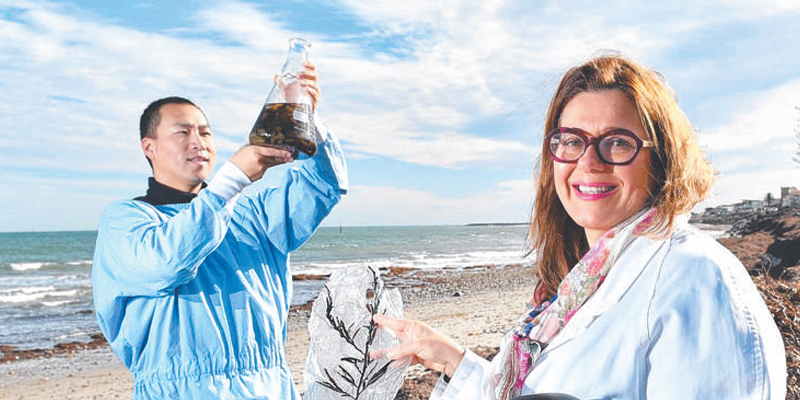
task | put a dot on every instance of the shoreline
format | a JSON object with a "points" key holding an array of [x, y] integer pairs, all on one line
{"points": [[474, 305]]}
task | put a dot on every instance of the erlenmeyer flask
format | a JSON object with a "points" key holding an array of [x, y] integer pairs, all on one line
{"points": [[285, 120]]}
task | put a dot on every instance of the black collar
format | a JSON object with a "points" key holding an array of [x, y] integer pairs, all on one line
{"points": [[159, 194]]}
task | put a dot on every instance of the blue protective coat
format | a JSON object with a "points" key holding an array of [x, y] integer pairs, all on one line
{"points": [[194, 297]]}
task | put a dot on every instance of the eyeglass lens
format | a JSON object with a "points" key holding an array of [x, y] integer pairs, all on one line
{"points": [[615, 148]]}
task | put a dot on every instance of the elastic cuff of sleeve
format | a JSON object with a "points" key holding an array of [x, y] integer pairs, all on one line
{"points": [[467, 378], [228, 182]]}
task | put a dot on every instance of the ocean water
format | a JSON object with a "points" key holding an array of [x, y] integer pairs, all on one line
{"points": [[46, 294]]}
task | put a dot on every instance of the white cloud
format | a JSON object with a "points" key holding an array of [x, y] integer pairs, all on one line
{"points": [[378, 205], [396, 17], [762, 120], [766, 8], [462, 85], [520, 187], [245, 24], [123, 69], [753, 150], [388, 134], [82, 84], [753, 185]]}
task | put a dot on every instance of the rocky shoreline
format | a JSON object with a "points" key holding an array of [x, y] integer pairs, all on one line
{"points": [[769, 247]]}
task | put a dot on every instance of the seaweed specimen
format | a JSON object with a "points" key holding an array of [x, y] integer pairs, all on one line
{"points": [[345, 368]]}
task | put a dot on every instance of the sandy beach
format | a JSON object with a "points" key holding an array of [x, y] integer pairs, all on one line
{"points": [[475, 306]]}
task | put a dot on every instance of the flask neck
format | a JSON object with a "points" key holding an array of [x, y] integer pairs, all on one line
{"points": [[287, 89], [296, 57]]}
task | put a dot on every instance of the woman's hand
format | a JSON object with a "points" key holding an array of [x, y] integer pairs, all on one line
{"points": [[423, 344]]}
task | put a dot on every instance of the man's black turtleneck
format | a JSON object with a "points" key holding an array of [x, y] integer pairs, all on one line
{"points": [[158, 194]]}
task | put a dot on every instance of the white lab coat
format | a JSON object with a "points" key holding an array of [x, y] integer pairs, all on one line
{"points": [[675, 319]]}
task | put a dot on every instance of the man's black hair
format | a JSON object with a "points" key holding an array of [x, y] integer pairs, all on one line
{"points": [[151, 115]]}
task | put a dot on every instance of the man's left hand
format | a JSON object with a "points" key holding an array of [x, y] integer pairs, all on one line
{"points": [[309, 81]]}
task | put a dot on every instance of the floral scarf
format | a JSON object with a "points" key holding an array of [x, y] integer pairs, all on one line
{"points": [[523, 344]]}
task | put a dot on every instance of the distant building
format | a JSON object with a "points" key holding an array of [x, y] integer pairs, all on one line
{"points": [[790, 197], [749, 205], [720, 210]]}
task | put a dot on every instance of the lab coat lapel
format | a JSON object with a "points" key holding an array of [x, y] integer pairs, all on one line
{"points": [[621, 276]]}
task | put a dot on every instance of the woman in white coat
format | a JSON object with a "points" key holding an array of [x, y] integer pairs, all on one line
{"points": [[630, 301]]}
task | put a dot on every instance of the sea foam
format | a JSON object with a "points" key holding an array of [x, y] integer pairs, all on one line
{"points": [[27, 266], [33, 293]]}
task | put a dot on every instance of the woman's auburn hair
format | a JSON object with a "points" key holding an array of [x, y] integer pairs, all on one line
{"points": [[680, 175]]}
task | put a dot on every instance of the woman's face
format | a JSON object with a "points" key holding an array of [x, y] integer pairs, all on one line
{"points": [[598, 196]]}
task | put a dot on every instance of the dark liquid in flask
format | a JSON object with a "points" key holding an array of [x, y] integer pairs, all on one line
{"points": [[285, 125]]}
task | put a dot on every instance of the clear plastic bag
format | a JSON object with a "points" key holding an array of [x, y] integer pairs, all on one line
{"points": [[343, 335]]}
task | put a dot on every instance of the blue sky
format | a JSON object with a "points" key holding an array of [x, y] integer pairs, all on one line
{"points": [[438, 104]]}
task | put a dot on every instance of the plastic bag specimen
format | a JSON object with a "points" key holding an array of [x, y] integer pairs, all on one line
{"points": [[343, 335]]}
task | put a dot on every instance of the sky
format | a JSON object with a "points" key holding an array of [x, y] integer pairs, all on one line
{"points": [[439, 105]]}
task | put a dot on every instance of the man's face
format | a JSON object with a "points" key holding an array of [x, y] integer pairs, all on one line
{"points": [[182, 151]]}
